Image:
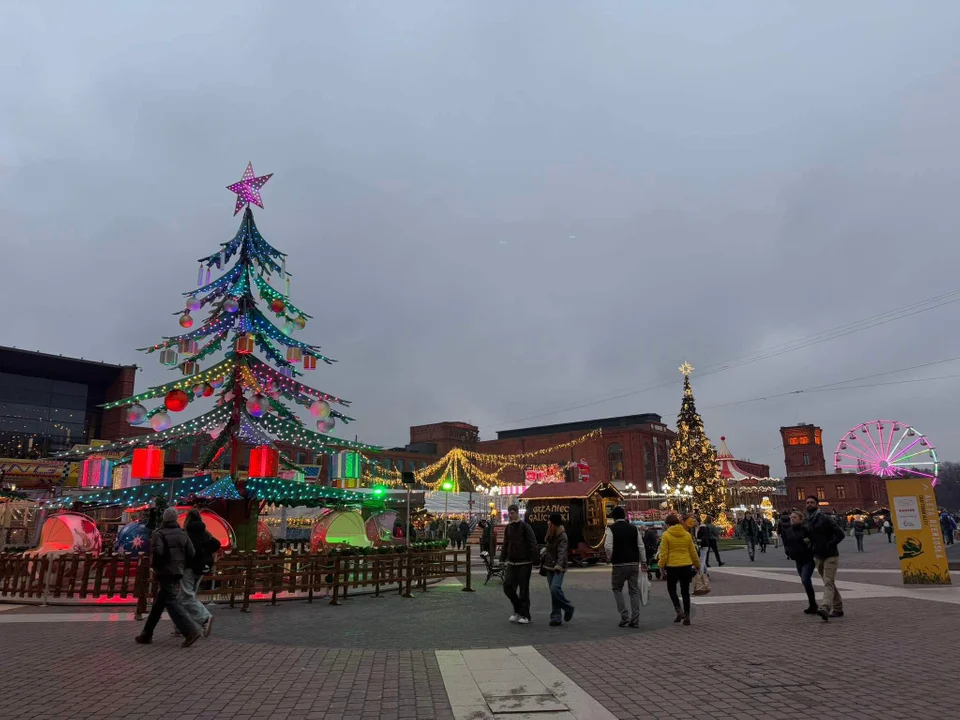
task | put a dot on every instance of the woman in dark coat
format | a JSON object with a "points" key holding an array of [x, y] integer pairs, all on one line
{"points": [[796, 544], [554, 565]]}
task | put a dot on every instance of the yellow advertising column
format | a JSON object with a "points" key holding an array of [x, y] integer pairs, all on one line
{"points": [[916, 524]]}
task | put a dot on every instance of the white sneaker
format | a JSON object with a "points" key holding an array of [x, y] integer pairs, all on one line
{"points": [[514, 618], [523, 621]]}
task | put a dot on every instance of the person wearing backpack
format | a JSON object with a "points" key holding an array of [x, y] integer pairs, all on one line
{"points": [[171, 551], [888, 529], [205, 546]]}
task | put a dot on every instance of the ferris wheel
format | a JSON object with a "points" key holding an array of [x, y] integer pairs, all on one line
{"points": [[889, 449]]}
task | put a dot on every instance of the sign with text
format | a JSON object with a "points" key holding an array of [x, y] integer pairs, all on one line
{"points": [[544, 474], [916, 526]]}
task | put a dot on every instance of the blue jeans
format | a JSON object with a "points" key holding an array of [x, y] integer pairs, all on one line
{"points": [[558, 601], [188, 597], [805, 570]]}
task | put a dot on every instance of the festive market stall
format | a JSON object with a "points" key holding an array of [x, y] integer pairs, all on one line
{"points": [[584, 507]]}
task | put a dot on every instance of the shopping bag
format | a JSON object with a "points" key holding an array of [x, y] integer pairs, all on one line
{"points": [[701, 584], [644, 589]]}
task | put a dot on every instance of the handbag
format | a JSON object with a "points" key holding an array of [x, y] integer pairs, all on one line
{"points": [[701, 584], [644, 589]]}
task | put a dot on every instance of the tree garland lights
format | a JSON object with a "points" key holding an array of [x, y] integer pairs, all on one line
{"points": [[233, 308], [693, 460], [469, 464]]}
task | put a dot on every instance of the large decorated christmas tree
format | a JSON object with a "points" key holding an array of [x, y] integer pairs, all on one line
{"points": [[250, 395], [693, 460]]}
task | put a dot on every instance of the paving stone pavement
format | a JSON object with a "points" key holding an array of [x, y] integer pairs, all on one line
{"points": [[376, 658]]}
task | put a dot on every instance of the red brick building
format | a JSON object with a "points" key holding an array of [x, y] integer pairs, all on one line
{"points": [[807, 475], [630, 448]]}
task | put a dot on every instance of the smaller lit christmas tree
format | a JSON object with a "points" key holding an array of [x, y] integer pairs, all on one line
{"points": [[693, 460]]}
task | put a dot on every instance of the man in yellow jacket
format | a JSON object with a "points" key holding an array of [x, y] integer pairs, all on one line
{"points": [[678, 556]]}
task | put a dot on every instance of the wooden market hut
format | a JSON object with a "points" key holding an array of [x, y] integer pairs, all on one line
{"points": [[584, 506]]}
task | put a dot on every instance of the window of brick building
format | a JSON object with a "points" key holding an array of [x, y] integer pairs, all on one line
{"points": [[800, 494], [806, 458], [841, 492], [647, 464], [821, 493], [615, 462]]}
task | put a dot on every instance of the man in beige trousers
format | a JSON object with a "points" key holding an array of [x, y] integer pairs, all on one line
{"points": [[824, 535]]}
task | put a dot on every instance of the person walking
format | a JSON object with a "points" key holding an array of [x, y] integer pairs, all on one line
{"points": [[453, 532], [554, 564], [678, 556], [761, 532], [709, 540], [766, 532], [796, 544], [859, 527], [948, 526], [627, 556], [825, 536], [205, 546], [464, 531], [171, 551], [518, 552], [749, 531], [888, 529]]}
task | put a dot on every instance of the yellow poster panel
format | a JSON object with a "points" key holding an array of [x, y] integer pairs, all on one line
{"points": [[916, 526]]}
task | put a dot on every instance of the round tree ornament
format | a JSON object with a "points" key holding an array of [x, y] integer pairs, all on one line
{"points": [[176, 400], [231, 305], [161, 421], [277, 305], [320, 409], [136, 414], [186, 321]]}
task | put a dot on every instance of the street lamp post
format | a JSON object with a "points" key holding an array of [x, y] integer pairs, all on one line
{"points": [[447, 486]]}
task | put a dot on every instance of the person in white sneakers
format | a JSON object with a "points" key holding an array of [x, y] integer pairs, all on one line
{"points": [[518, 553]]}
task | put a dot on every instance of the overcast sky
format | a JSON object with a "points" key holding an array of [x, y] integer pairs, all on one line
{"points": [[499, 210]]}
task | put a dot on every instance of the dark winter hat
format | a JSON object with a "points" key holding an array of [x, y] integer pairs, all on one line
{"points": [[618, 513], [556, 518]]}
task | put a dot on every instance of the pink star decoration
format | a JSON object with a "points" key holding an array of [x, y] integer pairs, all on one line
{"points": [[248, 189]]}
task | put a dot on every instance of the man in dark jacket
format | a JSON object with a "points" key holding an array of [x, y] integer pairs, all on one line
{"points": [[750, 532], [824, 535], [518, 552], [627, 554], [172, 552], [464, 531], [205, 546], [797, 548]]}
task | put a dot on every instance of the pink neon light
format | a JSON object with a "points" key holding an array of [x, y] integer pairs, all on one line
{"points": [[887, 457]]}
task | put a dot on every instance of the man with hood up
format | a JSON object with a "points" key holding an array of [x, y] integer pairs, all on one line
{"points": [[172, 552]]}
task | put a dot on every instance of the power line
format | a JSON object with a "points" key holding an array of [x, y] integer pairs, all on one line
{"points": [[830, 387], [767, 353]]}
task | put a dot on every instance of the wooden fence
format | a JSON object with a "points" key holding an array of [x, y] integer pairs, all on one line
{"points": [[236, 578]]}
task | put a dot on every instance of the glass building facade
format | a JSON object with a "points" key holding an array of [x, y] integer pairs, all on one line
{"points": [[40, 415]]}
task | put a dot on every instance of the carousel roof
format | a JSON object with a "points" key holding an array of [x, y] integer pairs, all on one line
{"points": [[564, 490], [730, 471]]}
